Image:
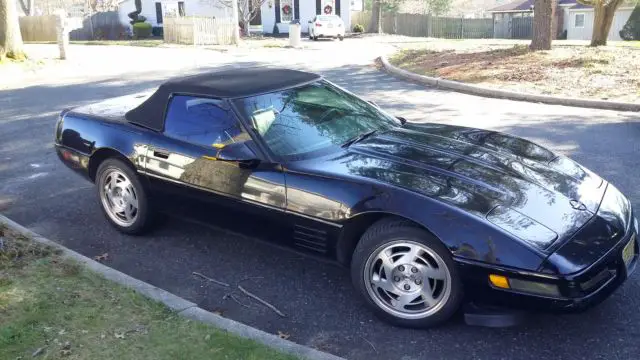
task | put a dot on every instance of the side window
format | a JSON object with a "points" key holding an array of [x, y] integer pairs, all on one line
{"points": [[202, 121]]}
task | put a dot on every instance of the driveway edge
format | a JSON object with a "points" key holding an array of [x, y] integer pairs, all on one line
{"points": [[181, 306], [502, 94]]}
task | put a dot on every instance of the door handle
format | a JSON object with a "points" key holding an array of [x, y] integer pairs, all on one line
{"points": [[162, 154]]}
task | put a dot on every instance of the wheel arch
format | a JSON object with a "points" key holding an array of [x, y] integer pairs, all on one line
{"points": [[356, 226], [103, 154]]}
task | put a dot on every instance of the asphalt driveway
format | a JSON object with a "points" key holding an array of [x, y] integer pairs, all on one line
{"points": [[322, 309]]}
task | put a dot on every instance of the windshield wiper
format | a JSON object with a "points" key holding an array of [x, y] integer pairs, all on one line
{"points": [[358, 138]]}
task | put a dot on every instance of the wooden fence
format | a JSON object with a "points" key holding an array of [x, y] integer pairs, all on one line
{"points": [[522, 27], [38, 28], [193, 30], [429, 26], [99, 26]]}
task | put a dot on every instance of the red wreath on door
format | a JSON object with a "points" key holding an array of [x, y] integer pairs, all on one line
{"points": [[328, 9], [286, 9]]}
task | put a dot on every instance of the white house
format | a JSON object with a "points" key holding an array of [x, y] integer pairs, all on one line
{"points": [[574, 18], [282, 12], [580, 22], [156, 10]]}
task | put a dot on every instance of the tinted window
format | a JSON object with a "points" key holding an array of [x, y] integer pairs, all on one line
{"points": [[311, 118], [202, 121]]}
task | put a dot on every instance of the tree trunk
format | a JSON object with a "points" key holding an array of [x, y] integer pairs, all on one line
{"points": [[10, 38], [245, 25], [236, 23], [603, 18], [543, 13], [375, 26], [31, 10]]}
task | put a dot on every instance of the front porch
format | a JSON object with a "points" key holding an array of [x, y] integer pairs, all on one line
{"points": [[276, 15]]}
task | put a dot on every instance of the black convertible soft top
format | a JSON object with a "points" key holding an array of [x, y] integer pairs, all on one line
{"points": [[225, 84]]}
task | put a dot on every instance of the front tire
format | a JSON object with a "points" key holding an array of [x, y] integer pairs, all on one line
{"points": [[123, 198], [406, 275]]}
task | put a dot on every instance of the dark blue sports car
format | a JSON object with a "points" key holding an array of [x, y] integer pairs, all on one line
{"points": [[427, 216]]}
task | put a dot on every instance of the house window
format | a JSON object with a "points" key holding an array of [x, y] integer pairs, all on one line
{"points": [[579, 21], [181, 8], [159, 13], [286, 11]]}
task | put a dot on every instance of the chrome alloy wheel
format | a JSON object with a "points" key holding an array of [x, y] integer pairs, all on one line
{"points": [[407, 279], [119, 197]]}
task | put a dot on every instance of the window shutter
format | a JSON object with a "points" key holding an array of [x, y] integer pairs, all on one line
{"points": [[159, 13], [277, 9], [338, 7], [296, 9], [318, 7]]}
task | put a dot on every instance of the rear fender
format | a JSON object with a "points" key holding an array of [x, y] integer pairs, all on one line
{"points": [[82, 142]]}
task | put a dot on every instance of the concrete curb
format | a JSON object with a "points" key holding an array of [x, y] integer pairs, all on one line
{"points": [[502, 94], [183, 307]]}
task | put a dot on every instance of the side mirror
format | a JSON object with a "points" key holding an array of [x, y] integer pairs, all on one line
{"points": [[239, 151], [402, 120]]}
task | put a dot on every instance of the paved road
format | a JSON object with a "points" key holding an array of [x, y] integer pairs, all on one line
{"points": [[322, 309]]}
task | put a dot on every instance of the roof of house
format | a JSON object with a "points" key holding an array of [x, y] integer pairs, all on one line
{"points": [[233, 83], [523, 5], [624, 5]]}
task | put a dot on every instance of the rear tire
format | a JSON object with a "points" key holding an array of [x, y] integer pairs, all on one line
{"points": [[406, 276], [341, 38], [123, 198]]}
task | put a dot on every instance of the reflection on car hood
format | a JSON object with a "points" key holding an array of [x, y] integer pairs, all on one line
{"points": [[479, 171]]}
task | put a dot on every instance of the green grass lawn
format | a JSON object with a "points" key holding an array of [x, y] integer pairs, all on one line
{"points": [[53, 308]]}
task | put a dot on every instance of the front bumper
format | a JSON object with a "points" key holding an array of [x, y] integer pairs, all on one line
{"points": [[577, 292]]}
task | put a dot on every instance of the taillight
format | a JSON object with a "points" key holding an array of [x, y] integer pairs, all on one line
{"points": [[318, 25]]}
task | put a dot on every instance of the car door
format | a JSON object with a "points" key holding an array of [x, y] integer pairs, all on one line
{"points": [[183, 159]]}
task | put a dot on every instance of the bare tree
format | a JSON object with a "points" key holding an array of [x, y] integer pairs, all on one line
{"points": [[11, 45], [27, 7], [247, 10], [543, 14], [603, 10], [375, 25]]}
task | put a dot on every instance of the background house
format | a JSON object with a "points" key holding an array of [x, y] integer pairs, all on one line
{"points": [[273, 12], [514, 20], [156, 10], [580, 17]]}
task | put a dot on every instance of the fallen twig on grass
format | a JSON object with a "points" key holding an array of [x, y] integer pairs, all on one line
{"points": [[211, 279], [255, 297]]}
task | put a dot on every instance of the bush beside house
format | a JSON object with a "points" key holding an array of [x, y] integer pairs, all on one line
{"points": [[631, 30], [142, 30]]}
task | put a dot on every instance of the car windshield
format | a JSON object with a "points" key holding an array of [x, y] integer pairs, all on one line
{"points": [[311, 119]]}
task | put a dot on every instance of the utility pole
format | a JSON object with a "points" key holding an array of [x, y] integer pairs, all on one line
{"points": [[236, 22]]}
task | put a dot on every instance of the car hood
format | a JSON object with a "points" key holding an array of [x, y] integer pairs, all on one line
{"points": [[513, 183]]}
